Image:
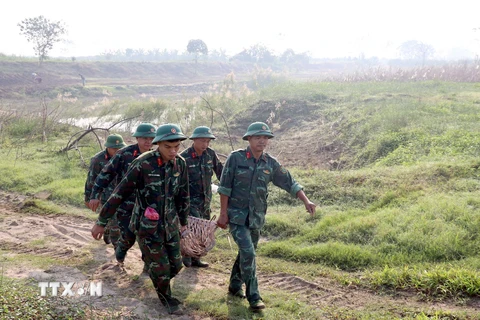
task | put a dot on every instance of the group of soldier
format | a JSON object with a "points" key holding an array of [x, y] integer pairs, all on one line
{"points": [[145, 194]]}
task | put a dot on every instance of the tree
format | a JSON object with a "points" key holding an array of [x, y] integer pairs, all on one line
{"points": [[289, 57], [43, 33], [261, 53], [197, 46], [257, 53], [416, 50], [218, 55]]}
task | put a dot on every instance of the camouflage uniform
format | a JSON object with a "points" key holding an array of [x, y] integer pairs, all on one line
{"points": [[163, 187], [200, 172], [97, 163], [115, 169], [244, 180]]}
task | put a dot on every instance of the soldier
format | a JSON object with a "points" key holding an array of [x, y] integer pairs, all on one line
{"points": [[113, 143], [202, 162], [243, 205], [115, 170], [159, 179]]}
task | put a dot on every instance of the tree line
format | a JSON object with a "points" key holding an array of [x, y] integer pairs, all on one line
{"points": [[44, 34]]}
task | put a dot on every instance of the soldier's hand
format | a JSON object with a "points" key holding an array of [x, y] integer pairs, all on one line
{"points": [[97, 232], [183, 231], [222, 221], [93, 204], [310, 206]]}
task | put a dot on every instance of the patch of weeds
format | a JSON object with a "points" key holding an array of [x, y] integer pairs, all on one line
{"points": [[37, 206], [20, 300], [135, 277], [41, 243]]}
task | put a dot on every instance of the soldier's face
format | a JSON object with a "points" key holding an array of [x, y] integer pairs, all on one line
{"points": [[112, 151], [144, 144], [258, 143], [201, 144], [168, 149]]}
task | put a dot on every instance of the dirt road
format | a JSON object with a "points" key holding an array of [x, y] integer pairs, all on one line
{"points": [[64, 244]]}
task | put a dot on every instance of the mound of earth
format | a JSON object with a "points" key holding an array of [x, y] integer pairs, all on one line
{"points": [[303, 136]]}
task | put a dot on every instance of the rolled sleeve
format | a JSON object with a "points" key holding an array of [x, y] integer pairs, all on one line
{"points": [[295, 188], [225, 191]]}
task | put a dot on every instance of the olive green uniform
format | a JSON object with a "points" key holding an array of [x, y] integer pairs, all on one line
{"points": [[244, 180], [200, 171]]}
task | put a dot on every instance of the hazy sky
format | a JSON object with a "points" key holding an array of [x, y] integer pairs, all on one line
{"points": [[336, 28]]}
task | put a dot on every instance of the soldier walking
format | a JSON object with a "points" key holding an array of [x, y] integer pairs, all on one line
{"points": [[243, 205], [202, 163], [158, 180], [113, 143], [115, 169]]}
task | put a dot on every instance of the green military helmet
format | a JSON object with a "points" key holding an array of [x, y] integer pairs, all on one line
{"points": [[114, 141], [146, 130], [168, 132], [202, 132], [258, 129]]}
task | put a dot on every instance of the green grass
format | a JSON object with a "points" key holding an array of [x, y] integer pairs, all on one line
{"points": [[22, 300], [216, 304], [421, 216], [437, 281], [386, 123], [31, 170], [400, 213]]}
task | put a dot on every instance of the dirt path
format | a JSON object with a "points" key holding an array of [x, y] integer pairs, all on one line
{"points": [[66, 239]]}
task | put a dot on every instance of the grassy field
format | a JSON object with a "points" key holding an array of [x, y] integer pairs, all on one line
{"points": [[392, 166]]}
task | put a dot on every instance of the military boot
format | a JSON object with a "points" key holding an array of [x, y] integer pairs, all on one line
{"points": [[172, 304], [187, 262], [198, 263], [120, 254]]}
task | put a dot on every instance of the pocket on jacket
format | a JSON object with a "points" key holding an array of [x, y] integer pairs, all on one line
{"points": [[147, 227]]}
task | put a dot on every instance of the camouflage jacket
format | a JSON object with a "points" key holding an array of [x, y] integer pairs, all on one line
{"points": [[200, 172], [245, 181], [114, 171], [156, 184], [97, 162]]}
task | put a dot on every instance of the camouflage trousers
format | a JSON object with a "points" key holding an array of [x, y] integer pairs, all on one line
{"points": [[112, 231], [244, 269], [164, 262], [127, 239]]}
